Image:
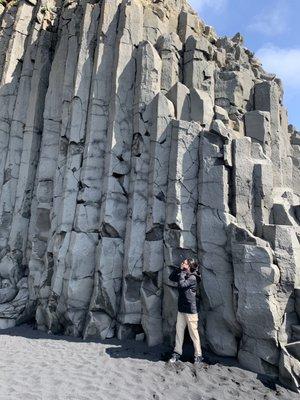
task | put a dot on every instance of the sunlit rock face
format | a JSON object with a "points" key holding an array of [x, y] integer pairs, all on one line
{"points": [[132, 137]]}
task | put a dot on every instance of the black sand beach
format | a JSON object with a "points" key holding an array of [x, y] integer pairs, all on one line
{"points": [[38, 366]]}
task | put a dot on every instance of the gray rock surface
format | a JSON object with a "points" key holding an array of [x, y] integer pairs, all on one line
{"points": [[131, 137]]}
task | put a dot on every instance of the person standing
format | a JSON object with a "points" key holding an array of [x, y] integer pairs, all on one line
{"points": [[187, 278]]}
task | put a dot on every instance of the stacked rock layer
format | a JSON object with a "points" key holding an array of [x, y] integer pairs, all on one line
{"points": [[133, 137]]}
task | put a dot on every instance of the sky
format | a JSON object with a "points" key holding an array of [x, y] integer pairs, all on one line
{"points": [[271, 29]]}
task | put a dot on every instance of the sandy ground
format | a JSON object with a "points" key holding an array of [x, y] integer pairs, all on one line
{"points": [[37, 366]]}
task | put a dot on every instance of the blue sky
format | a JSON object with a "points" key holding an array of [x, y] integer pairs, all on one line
{"points": [[271, 29]]}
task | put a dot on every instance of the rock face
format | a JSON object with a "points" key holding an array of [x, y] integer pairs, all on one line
{"points": [[132, 137]]}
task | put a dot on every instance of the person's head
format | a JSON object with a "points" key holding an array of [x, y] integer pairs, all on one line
{"points": [[189, 265]]}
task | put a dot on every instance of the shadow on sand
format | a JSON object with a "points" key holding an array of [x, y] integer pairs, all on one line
{"points": [[132, 349]]}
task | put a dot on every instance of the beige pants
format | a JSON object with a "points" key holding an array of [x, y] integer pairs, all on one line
{"points": [[190, 320]]}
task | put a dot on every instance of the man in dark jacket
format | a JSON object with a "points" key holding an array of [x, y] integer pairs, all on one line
{"points": [[187, 277]]}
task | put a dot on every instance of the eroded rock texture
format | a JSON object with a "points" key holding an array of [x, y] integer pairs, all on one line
{"points": [[132, 137]]}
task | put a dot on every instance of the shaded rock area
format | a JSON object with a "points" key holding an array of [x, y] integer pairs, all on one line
{"points": [[132, 136]]}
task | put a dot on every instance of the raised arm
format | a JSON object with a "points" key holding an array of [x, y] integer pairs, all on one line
{"points": [[174, 276], [187, 282]]}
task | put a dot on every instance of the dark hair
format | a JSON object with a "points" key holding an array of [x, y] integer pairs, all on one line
{"points": [[193, 264]]}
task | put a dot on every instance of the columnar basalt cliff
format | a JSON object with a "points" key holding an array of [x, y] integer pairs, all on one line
{"points": [[132, 137]]}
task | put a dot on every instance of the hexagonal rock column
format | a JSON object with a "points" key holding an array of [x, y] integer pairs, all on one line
{"points": [[213, 218], [180, 233], [153, 255]]}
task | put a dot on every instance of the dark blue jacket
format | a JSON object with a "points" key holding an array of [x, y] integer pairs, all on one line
{"points": [[187, 287]]}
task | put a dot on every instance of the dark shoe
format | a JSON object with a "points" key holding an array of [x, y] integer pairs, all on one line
{"points": [[198, 360], [175, 357]]}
